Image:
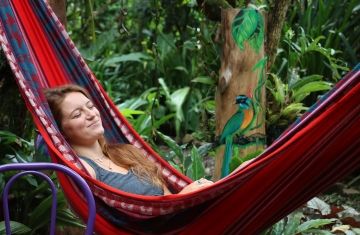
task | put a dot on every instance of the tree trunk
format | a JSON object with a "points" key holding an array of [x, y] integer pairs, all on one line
{"points": [[275, 22], [59, 7], [237, 77]]}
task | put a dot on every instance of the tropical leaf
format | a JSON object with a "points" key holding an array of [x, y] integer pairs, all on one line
{"points": [[293, 108], [248, 25], [128, 113], [316, 223], [135, 57], [298, 83], [305, 90], [15, 227], [172, 144], [204, 80], [66, 218], [197, 166], [277, 88]]}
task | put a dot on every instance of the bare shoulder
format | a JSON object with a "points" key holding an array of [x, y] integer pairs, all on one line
{"points": [[88, 168]]}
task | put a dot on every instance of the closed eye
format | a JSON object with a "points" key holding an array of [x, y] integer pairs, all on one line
{"points": [[76, 115]]}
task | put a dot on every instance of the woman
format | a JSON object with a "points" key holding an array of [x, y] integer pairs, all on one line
{"points": [[119, 165]]}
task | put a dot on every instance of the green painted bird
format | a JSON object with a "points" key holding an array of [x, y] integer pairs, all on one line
{"points": [[238, 123]]}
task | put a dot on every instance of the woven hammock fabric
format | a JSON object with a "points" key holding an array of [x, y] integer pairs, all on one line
{"points": [[315, 152]]}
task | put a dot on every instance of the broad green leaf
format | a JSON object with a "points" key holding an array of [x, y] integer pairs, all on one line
{"points": [[322, 232], [66, 218], [97, 47], [41, 214], [316, 223], [210, 105], [7, 137], [296, 84], [165, 88], [305, 90], [181, 68], [15, 227], [293, 108], [292, 224], [19, 157], [145, 124], [278, 228], [197, 166], [31, 180], [204, 80], [177, 100], [135, 56], [172, 144], [132, 104], [165, 45], [163, 120], [128, 113], [278, 89]]}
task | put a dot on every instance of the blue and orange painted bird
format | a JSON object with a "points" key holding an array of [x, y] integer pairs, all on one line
{"points": [[239, 123]]}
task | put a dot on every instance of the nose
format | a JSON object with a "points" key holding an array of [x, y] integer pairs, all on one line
{"points": [[90, 113]]}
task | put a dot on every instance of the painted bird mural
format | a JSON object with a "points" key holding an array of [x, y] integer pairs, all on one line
{"points": [[238, 123]]}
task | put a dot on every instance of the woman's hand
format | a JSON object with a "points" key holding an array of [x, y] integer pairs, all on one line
{"points": [[196, 185]]}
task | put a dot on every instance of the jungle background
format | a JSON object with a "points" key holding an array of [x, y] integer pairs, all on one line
{"points": [[159, 61]]}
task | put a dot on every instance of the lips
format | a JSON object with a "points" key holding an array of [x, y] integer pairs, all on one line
{"points": [[94, 123]]}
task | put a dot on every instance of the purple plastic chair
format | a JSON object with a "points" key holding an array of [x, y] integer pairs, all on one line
{"points": [[34, 168]]}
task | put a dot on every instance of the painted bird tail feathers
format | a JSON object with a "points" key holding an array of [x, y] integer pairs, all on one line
{"points": [[225, 170]]}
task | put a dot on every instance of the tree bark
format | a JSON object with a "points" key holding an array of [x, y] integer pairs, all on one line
{"points": [[236, 77], [275, 21], [59, 7]]}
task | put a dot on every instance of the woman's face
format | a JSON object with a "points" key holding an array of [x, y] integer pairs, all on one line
{"points": [[81, 121]]}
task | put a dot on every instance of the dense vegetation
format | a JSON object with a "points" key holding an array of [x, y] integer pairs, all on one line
{"points": [[159, 61]]}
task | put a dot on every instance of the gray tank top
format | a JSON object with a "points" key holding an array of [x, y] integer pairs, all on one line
{"points": [[126, 182]]}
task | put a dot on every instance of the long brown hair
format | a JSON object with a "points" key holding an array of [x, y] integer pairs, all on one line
{"points": [[124, 155]]}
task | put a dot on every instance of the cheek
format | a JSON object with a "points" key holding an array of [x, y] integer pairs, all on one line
{"points": [[72, 128]]}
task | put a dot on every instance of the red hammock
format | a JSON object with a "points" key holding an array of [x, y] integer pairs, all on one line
{"points": [[315, 152]]}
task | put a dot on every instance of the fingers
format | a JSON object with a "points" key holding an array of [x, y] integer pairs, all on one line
{"points": [[203, 180], [196, 185]]}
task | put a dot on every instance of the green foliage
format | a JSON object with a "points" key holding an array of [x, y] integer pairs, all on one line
{"points": [[15, 227], [285, 100], [293, 224], [14, 149], [237, 160], [30, 197], [335, 20], [189, 163], [309, 58], [172, 56]]}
